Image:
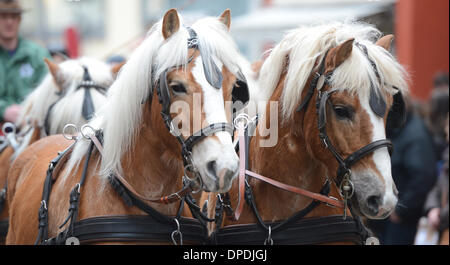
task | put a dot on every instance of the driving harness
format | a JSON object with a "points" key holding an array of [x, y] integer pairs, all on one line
{"points": [[155, 227], [294, 230]]}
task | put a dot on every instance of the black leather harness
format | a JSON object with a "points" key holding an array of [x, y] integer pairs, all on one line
{"points": [[310, 231], [155, 227]]}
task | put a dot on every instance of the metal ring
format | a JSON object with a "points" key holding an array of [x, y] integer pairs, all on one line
{"points": [[9, 125], [190, 168], [269, 239], [193, 180], [177, 232], [372, 241], [87, 136], [44, 204], [242, 121], [78, 186], [68, 136], [352, 189]]}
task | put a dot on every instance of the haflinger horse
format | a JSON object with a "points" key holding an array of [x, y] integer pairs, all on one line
{"points": [[115, 182], [70, 93], [337, 85]]}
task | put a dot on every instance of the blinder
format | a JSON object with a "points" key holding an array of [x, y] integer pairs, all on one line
{"points": [[240, 94], [397, 113]]}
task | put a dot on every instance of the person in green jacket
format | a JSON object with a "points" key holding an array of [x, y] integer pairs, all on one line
{"points": [[22, 65]]}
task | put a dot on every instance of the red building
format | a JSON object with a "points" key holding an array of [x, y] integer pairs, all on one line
{"points": [[422, 33]]}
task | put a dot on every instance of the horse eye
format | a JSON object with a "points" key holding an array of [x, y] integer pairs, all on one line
{"points": [[343, 112], [178, 88]]}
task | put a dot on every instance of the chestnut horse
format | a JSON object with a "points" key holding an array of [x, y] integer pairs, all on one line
{"points": [[70, 93], [140, 155], [336, 89]]}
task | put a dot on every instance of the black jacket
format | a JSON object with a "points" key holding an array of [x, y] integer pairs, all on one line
{"points": [[413, 167]]}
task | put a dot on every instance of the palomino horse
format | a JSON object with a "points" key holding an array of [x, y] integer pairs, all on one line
{"points": [[336, 89], [70, 93], [140, 156]]}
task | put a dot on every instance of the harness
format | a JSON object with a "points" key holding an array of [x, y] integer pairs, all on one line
{"points": [[155, 227], [294, 230]]}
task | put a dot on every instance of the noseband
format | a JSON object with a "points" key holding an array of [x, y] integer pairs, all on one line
{"points": [[88, 108], [343, 175]]}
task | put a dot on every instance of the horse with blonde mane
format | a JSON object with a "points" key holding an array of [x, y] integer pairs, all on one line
{"points": [[132, 156], [69, 94], [337, 86]]}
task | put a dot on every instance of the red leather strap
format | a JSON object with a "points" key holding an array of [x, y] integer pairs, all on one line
{"points": [[243, 172]]}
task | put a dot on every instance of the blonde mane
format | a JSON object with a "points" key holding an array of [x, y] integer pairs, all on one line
{"points": [[68, 108], [307, 45], [121, 117]]}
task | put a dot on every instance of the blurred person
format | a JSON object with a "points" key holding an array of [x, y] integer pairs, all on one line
{"points": [[437, 114], [21, 62], [414, 173], [440, 81], [436, 206]]}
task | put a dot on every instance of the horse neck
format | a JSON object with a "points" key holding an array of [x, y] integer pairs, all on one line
{"points": [[153, 169], [290, 162]]}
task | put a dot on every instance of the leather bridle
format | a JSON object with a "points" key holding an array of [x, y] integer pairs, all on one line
{"points": [[214, 77], [343, 174]]}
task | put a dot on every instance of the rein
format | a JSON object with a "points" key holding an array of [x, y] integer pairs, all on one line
{"points": [[294, 230], [243, 154]]}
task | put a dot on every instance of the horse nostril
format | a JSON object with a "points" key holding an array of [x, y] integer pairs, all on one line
{"points": [[373, 203], [212, 168]]}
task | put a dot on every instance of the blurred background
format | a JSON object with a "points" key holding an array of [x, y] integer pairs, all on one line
{"points": [[103, 28]]}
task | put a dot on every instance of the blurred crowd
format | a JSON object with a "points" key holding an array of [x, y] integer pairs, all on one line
{"points": [[420, 172], [419, 162]]}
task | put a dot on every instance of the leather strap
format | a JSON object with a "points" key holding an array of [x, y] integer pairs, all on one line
{"points": [[176, 197], [243, 172], [309, 231], [143, 229], [4, 225], [315, 196]]}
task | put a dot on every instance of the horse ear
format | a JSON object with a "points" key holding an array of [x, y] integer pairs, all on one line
{"points": [[225, 18], [342, 52], [171, 23], [386, 42], [54, 71], [116, 68]]}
